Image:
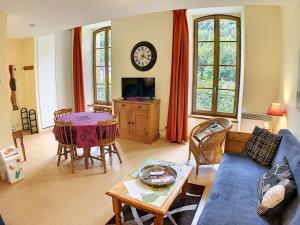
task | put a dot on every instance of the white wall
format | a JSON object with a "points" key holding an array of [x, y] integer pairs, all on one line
{"points": [[54, 75], [20, 52], [5, 128], [63, 69], [290, 66], [46, 79], [157, 29], [262, 57], [87, 60]]}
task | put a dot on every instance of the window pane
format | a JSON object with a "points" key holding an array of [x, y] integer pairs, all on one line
{"points": [[227, 30], [225, 101], [100, 57], [206, 53], [109, 38], [101, 93], [204, 99], [206, 30], [110, 93], [227, 76], [109, 56], [205, 77], [100, 40], [227, 53], [109, 74], [100, 75]]}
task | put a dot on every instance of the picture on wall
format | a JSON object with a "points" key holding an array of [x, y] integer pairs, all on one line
{"points": [[298, 88]]}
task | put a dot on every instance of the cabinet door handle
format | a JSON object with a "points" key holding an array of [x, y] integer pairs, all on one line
{"points": [[123, 105], [129, 122], [132, 123]]}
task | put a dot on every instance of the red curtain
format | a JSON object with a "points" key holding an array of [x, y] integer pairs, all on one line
{"points": [[178, 101], [79, 103]]}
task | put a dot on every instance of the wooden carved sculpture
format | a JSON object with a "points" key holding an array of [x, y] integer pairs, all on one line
{"points": [[13, 87]]}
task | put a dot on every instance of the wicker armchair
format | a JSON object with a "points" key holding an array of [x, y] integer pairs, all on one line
{"points": [[209, 149]]}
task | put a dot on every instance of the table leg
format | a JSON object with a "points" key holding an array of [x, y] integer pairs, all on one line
{"points": [[86, 152], [158, 219], [184, 188], [117, 207]]}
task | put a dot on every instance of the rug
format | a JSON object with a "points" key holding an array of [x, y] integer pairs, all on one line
{"points": [[181, 212]]}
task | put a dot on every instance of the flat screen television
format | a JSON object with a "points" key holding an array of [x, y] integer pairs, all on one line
{"points": [[139, 88]]}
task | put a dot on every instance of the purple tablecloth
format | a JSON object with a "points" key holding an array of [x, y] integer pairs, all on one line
{"points": [[85, 124]]}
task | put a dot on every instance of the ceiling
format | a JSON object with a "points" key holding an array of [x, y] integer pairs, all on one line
{"points": [[57, 15]]}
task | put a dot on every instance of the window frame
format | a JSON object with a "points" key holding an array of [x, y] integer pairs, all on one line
{"points": [[216, 66], [106, 66]]}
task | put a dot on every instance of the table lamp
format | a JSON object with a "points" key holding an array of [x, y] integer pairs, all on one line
{"points": [[275, 110]]}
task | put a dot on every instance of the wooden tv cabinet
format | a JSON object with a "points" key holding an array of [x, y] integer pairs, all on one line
{"points": [[138, 120]]}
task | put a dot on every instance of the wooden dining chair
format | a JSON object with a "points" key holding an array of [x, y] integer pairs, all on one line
{"points": [[103, 108], [62, 112], [66, 141], [107, 132], [59, 113]]}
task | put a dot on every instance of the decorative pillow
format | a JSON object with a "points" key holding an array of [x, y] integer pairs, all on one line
{"points": [[262, 146], [211, 129], [276, 188]]}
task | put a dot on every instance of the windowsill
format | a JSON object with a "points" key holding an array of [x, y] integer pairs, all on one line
{"points": [[205, 117]]}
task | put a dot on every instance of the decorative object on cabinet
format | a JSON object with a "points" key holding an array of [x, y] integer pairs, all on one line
{"points": [[138, 120]]}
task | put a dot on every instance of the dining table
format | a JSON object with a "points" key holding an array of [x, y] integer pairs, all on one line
{"points": [[85, 129]]}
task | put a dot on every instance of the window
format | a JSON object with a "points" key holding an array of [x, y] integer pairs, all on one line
{"points": [[102, 66], [216, 65]]}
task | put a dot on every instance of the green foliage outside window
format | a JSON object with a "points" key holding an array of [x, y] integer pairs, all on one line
{"points": [[224, 84]]}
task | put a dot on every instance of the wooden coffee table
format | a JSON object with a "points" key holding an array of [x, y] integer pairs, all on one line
{"points": [[119, 194]]}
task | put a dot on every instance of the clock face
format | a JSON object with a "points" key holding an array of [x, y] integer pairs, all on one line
{"points": [[143, 56]]}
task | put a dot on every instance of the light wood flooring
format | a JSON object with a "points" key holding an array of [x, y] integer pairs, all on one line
{"points": [[51, 195]]}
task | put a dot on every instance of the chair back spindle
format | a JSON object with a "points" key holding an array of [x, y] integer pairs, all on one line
{"points": [[66, 132], [107, 109], [107, 131], [61, 112]]}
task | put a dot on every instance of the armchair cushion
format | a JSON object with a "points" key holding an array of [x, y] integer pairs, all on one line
{"points": [[205, 133]]}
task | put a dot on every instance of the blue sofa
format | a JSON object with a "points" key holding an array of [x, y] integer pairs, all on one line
{"points": [[234, 194]]}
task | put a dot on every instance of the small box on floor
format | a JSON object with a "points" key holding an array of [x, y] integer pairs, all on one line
{"points": [[11, 166]]}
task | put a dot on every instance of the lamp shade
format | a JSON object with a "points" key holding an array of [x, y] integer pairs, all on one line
{"points": [[275, 109]]}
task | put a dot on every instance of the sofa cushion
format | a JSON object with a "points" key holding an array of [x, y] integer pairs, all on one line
{"points": [[290, 148], [262, 146], [276, 188], [234, 195]]}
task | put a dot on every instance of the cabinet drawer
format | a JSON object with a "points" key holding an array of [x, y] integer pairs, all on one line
{"points": [[140, 107], [122, 105]]}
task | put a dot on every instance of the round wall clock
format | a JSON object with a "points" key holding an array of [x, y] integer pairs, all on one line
{"points": [[143, 56]]}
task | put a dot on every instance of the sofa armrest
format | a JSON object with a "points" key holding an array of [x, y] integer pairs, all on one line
{"points": [[236, 141]]}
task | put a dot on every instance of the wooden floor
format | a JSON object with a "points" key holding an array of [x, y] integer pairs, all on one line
{"points": [[51, 195]]}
